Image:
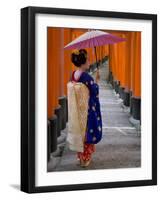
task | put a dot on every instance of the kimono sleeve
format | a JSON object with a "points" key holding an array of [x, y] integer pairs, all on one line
{"points": [[93, 87]]}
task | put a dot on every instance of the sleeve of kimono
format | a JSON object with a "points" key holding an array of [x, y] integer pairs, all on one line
{"points": [[93, 87]]}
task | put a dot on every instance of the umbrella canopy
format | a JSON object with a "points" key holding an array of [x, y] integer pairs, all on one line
{"points": [[93, 38]]}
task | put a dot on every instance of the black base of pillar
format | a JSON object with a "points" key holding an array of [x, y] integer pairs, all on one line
{"points": [[58, 113], [62, 102], [136, 108], [53, 130], [130, 102], [92, 67], [116, 86], [110, 79], [66, 101], [48, 141], [121, 91], [126, 98]]}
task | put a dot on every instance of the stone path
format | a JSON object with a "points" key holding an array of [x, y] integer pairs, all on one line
{"points": [[120, 144]]}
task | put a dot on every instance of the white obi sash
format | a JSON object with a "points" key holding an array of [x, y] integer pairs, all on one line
{"points": [[78, 97]]}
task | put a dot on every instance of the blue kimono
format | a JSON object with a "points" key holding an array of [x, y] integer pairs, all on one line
{"points": [[94, 120]]}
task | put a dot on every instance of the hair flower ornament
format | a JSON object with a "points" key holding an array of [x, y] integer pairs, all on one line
{"points": [[76, 52]]}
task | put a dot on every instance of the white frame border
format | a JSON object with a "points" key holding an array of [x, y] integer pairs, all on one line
{"points": [[44, 178]]}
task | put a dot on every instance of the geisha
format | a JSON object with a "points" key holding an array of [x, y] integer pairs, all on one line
{"points": [[93, 131]]}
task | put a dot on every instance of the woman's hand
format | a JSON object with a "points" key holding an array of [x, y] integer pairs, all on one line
{"points": [[97, 76]]}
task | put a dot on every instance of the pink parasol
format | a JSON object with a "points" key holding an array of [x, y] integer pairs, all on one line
{"points": [[93, 38]]}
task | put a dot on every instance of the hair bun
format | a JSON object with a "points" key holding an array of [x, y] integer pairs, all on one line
{"points": [[79, 57]]}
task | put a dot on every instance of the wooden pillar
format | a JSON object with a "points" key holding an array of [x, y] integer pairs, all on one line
{"points": [[112, 63], [137, 65], [73, 36], [127, 69], [61, 62], [107, 47], [53, 73], [135, 107], [128, 62], [67, 58], [90, 54], [135, 85], [132, 61], [93, 56], [122, 58], [119, 59]]}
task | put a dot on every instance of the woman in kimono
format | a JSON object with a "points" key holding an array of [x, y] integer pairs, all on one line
{"points": [[94, 119]]}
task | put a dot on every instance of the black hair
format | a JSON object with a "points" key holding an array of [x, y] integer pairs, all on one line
{"points": [[78, 58]]}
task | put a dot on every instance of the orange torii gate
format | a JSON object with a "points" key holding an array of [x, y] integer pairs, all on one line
{"points": [[124, 62], [125, 65]]}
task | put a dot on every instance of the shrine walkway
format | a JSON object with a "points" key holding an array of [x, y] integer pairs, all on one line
{"points": [[120, 144]]}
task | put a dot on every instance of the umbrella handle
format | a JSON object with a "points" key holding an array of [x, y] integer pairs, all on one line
{"points": [[96, 56]]}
